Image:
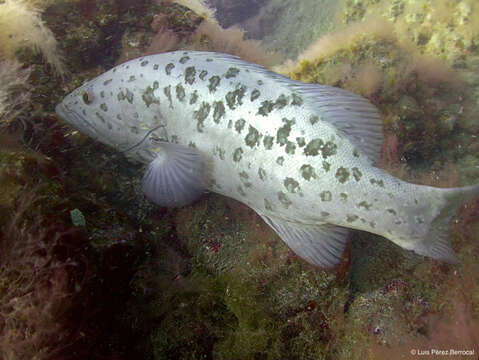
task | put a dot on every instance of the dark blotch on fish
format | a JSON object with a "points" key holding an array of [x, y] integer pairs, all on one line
{"points": [[167, 92], [342, 174], [239, 125], [284, 131], [214, 82], [219, 111], [255, 94], [194, 97], [290, 148], [168, 68], [231, 73], [326, 196], [268, 106], [284, 199], [180, 92], [234, 98], [351, 218], [201, 114], [314, 147], [357, 174], [307, 172], [291, 185], [297, 100], [190, 74], [253, 138], [184, 59], [268, 142], [149, 97], [238, 154], [203, 74]]}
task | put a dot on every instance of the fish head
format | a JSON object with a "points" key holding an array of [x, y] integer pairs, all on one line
{"points": [[108, 111]]}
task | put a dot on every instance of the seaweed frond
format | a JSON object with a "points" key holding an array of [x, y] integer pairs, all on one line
{"points": [[14, 91], [34, 286], [21, 26]]}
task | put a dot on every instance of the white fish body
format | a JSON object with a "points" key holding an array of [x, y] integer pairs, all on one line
{"points": [[301, 155]]}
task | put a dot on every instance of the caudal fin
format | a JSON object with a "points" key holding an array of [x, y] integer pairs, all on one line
{"points": [[437, 244]]}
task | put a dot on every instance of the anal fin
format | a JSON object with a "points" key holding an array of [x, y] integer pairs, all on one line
{"points": [[321, 245]]}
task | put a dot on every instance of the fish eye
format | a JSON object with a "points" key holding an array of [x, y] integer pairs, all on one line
{"points": [[87, 97]]}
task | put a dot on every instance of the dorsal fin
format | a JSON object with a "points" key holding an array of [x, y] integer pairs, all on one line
{"points": [[352, 114]]}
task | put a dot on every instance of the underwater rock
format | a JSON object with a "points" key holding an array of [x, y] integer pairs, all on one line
{"points": [[409, 108], [468, 167], [449, 116], [231, 12], [469, 120], [396, 9], [421, 98], [289, 27], [441, 28]]}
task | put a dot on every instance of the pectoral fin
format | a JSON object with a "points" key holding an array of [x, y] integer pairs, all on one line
{"points": [[176, 177], [321, 245]]}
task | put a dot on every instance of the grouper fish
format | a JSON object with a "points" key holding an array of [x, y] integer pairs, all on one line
{"points": [[303, 156]]}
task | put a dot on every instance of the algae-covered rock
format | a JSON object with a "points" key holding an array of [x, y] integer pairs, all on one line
{"points": [[468, 167], [285, 26], [94, 30], [244, 294], [19, 168], [445, 29], [421, 99]]}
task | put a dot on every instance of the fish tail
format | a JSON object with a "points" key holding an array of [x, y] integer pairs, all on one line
{"points": [[436, 244]]}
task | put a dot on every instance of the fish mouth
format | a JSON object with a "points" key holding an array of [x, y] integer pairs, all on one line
{"points": [[75, 120], [61, 111], [84, 126]]}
